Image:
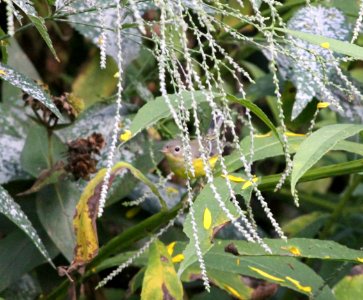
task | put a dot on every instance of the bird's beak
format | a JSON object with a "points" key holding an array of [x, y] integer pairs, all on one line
{"points": [[164, 150]]}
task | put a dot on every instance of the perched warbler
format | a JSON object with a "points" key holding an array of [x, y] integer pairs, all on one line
{"points": [[174, 152]]}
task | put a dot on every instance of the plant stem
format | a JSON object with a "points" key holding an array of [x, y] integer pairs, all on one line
{"points": [[354, 181]]}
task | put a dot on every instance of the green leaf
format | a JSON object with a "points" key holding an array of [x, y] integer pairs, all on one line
{"points": [[333, 44], [306, 225], [92, 83], [205, 206], [160, 280], [264, 147], [297, 247], [155, 110], [258, 112], [350, 287], [56, 205], [285, 271], [18, 255], [38, 22], [230, 282], [35, 156], [29, 86], [12, 210], [318, 144]]}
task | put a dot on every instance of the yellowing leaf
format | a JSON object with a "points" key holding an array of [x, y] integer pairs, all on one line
{"points": [[126, 136], [323, 104], [160, 279], [247, 184], [177, 258], [263, 135], [288, 133], [325, 45], [234, 178], [293, 250], [266, 275], [84, 221], [170, 248], [233, 292], [306, 289], [207, 219], [132, 212]]}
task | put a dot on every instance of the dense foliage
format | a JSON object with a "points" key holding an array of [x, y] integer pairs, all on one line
{"points": [[263, 99]]}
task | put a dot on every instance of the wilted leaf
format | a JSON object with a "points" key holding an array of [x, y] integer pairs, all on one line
{"points": [[29, 86], [84, 221], [45, 178], [160, 280], [12, 210]]}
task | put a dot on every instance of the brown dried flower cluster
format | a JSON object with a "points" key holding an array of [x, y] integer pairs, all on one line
{"points": [[67, 104], [81, 155]]}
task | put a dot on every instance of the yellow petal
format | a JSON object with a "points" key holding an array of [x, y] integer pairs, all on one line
{"points": [[266, 275], [325, 45], [2, 72], [171, 190], [238, 261], [126, 136], [207, 219], [234, 178], [306, 289], [323, 104], [177, 258], [263, 135], [288, 133], [116, 75], [247, 184], [360, 259], [170, 248]]}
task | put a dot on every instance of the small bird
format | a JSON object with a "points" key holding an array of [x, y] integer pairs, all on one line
{"points": [[173, 151]]}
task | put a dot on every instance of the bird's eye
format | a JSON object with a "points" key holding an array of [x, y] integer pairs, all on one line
{"points": [[177, 149]]}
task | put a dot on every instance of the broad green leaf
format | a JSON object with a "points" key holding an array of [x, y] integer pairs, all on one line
{"points": [[285, 271], [306, 225], [208, 216], [333, 44], [35, 156], [56, 205], [29, 10], [298, 247], [258, 112], [18, 255], [160, 280], [264, 147], [29, 86], [13, 211], [155, 110], [230, 282], [350, 287], [318, 144], [94, 84]]}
